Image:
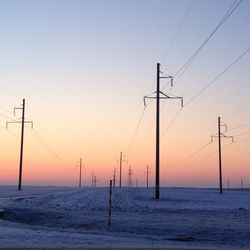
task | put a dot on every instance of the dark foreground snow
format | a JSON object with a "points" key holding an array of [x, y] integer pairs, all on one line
{"points": [[78, 217]]}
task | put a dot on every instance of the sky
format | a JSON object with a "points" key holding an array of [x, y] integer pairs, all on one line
{"points": [[85, 66]]}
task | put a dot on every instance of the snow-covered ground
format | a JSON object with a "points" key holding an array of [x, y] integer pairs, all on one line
{"points": [[78, 217]]}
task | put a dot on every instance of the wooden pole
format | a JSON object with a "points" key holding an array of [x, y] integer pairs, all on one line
{"points": [[110, 203]]}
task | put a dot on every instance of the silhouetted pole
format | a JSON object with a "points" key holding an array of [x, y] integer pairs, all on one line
{"points": [[120, 169], [228, 184], [157, 161], [241, 184], [21, 149], [110, 202], [114, 177], [147, 176], [219, 144], [95, 180], [220, 167], [159, 95], [92, 176], [22, 140], [130, 181], [80, 174]]}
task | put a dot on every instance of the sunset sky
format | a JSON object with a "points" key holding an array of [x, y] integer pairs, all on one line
{"points": [[85, 66]]}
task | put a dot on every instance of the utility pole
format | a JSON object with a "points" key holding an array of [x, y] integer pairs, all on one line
{"points": [[241, 184], [121, 161], [219, 143], [92, 177], [114, 177], [219, 135], [130, 181], [22, 140], [110, 203], [95, 181], [159, 95], [80, 174], [147, 176], [120, 169], [228, 184]]}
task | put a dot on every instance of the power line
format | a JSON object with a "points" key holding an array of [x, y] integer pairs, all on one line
{"points": [[29, 147], [191, 59], [6, 116], [245, 133], [177, 32], [217, 77], [243, 140], [236, 111], [201, 134], [212, 153], [45, 145], [6, 110], [187, 64], [239, 126], [172, 122], [136, 130], [9, 91], [193, 154]]}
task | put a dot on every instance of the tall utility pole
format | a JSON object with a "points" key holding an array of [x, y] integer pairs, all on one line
{"points": [[219, 143], [159, 95], [22, 140], [80, 174], [121, 161], [219, 135]]}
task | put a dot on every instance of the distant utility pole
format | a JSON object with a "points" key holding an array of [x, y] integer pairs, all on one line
{"points": [[228, 184], [159, 95], [241, 184], [121, 161], [130, 181], [92, 178], [110, 203], [147, 176], [219, 144], [114, 177], [80, 174], [95, 181], [22, 140]]}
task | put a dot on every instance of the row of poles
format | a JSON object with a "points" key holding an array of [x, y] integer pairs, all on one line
{"points": [[159, 95], [130, 172]]}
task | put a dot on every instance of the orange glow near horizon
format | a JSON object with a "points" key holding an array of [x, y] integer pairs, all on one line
{"points": [[84, 67]]}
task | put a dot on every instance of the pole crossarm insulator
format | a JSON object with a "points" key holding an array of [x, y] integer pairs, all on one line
{"points": [[29, 122], [17, 108], [225, 126], [164, 96], [166, 77]]}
